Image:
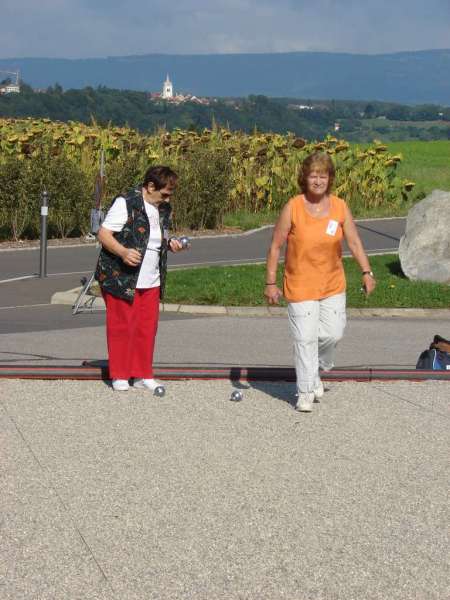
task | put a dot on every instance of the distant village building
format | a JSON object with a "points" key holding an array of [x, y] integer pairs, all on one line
{"points": [[8, 86], [301, 106], [168, 95], [337, 126]]}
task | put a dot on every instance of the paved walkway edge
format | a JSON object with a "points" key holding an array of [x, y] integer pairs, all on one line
{"points": [[69, 297], [93, 242], [92, 370]]}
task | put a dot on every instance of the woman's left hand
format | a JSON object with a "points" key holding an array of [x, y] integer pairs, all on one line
{"points": [[369, 283], [175, 245]]}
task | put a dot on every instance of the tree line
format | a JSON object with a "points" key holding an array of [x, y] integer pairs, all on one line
{"points": [[355, 120]]}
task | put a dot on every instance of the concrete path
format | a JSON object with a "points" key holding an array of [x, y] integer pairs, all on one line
{"points": [[198, 340], [113, 496]]}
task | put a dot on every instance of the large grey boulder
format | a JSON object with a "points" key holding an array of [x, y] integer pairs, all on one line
{"points": [[424, 250]]}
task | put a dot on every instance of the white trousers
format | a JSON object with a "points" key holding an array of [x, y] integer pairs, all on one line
{"points": [[316, 326]]}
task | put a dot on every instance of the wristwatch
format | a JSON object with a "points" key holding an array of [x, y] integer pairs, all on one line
{"points": [[368, 273]]}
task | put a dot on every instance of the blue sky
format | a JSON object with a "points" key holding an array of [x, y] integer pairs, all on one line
{"points": [[99, 28]]}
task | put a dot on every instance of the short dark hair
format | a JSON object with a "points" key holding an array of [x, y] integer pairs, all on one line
{"points": [[160, 176], [320, 161]]}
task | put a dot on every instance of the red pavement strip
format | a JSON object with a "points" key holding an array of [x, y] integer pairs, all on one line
{"points": [[98, 370]]}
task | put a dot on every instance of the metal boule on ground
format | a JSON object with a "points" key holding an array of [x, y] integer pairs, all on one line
{"points": [[160, 391]]}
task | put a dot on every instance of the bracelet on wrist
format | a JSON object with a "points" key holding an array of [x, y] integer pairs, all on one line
{"points": [[271, 283], [368, 273]]}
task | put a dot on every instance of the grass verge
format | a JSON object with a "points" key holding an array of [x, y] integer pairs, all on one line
{"points": [[243, 286], [426, 163], [248, 220]]}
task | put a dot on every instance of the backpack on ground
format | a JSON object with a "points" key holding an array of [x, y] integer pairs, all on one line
{"points": [[437, 357]]}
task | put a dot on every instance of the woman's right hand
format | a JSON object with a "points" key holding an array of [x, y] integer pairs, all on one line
{"points": [[272, 294], [131, 257]]}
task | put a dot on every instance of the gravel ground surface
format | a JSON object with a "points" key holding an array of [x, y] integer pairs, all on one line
{"points": [[125, 496]]}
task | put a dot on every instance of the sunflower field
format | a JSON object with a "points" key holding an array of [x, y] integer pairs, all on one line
{"points": [[220, 172]]}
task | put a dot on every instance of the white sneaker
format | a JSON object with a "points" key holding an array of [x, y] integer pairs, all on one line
{"points": [[147, 384], [305, 401], [120, 385], [319, 392]]}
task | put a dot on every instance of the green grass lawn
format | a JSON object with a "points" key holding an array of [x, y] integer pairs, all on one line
{"points": [[394, 124], [243, 286], [246, 220], [426, 163]]}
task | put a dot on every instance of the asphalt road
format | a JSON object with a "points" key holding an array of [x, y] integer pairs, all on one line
{"points": [[25, 298], [380, 235]]}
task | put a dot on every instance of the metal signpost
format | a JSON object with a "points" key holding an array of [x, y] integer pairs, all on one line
{"points": [[43, 254]]}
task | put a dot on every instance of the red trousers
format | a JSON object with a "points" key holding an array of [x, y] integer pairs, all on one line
{"points": [[131, 332]]}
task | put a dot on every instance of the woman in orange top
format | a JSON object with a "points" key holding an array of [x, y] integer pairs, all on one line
{"points": [[313, 225]]}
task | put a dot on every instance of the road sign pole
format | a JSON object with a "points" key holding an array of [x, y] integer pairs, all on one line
{"points": [[43, 254]]}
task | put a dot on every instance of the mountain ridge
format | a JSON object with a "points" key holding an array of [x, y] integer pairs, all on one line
{"points": [[410, 77]]}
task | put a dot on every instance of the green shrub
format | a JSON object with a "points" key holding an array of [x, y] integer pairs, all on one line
{"points": [[122, 173], [201, 198], [15, 206], [68, 191]]}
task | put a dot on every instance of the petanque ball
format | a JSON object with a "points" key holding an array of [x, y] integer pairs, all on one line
{"points": [[236, 396], [160, 391], [185, 241]]}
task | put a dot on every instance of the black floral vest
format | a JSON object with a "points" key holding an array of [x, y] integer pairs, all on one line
{"points": [[113, 275]]}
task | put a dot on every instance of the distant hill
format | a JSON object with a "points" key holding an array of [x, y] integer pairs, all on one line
{"points": [[405, 77]]}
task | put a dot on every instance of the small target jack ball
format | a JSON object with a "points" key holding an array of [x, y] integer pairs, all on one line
{"points": [[160, 391], [236, 396]]}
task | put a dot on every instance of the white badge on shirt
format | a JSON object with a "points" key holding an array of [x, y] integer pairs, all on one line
{"points": [[332, 227]]}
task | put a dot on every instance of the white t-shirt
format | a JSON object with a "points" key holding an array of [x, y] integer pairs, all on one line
{"points": [[115, 220]]}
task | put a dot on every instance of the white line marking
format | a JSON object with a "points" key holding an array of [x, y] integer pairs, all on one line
{"points": [[18, 278], [26, 306], [233, 235], [381, 219], [379, 251], [86, 272], [222, 260], [49, 247]]}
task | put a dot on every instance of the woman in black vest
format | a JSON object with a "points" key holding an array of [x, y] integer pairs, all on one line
{"points": [[131, 271]]}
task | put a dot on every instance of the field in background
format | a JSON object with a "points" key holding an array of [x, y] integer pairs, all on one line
{"points": [[425, 163]]}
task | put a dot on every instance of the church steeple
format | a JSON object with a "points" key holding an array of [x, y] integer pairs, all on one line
{"points": [[167, 91]]}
